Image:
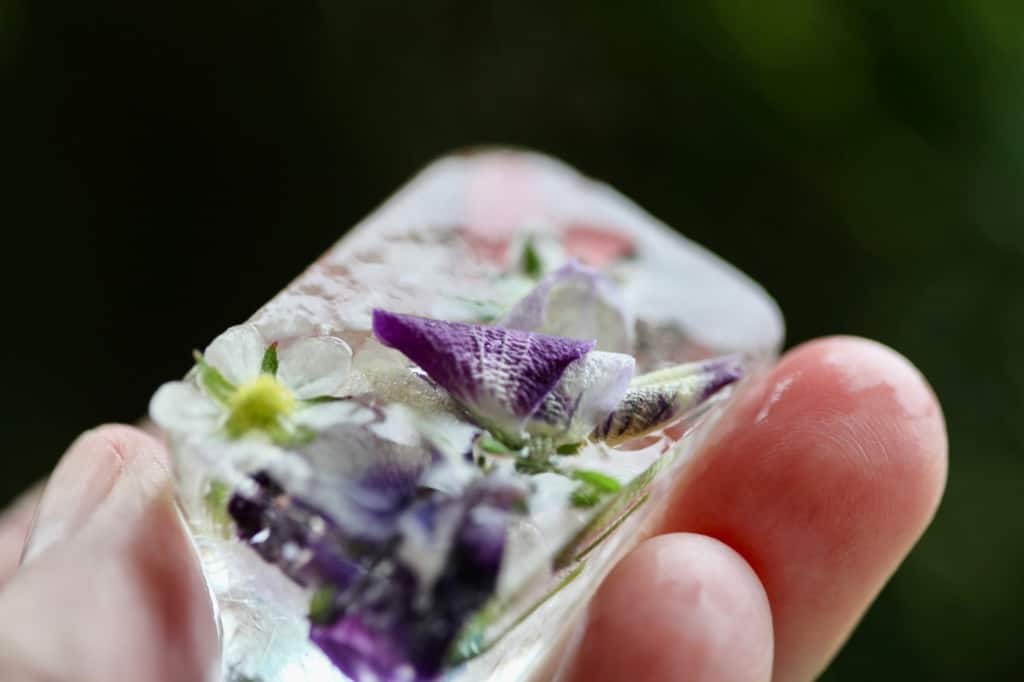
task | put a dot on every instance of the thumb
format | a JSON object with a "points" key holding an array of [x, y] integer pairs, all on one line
{"points": [[109, 586]]}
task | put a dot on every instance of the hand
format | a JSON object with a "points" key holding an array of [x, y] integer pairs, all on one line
{"points": [[109, 587], [783, 529], [806, 497]]}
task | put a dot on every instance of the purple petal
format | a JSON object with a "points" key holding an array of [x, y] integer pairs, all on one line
{"points": [[361, 650], [577, 302], [661, 398], [402, 623], [719, 373], [480, 544], [368, 467], [397, 613], [500, 375], [304, 543]]}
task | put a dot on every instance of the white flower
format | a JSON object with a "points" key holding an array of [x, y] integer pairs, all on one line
{"points": [[242, 385]]}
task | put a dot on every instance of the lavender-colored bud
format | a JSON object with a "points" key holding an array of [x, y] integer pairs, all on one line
{"points": [[659, 399]]}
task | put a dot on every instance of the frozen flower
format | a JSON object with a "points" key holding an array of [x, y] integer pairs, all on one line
{"points": [[658, 399], [404, 622], [389, 610], [302, 541], [513, 382], [577, 302], [590, 388], [501, 376], [244, 385]]}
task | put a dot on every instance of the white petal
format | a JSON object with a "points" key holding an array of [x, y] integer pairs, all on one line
{"points": [[576, 302], [181, 408], [319, 416], [315, 366], [588, 391], [234, 461], [237, 353]]}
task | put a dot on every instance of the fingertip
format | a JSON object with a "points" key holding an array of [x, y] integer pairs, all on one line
{"points": [[108, 507], [874, 426], [884, 384], [823, 474], [680, 606], [123, 443], [85, 477]]}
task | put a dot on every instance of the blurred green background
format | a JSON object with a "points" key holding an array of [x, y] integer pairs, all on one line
{"points": [[172, 164]]}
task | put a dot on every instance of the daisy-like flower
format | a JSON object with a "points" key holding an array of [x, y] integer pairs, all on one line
{"points": [[242, 385]]}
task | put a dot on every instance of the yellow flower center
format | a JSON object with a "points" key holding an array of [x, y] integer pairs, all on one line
{"points": [[258, 404]]}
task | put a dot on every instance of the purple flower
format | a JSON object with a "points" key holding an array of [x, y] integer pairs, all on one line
{"points": [[501, 376], [577, 302], [659, 399], [361, 649], [369, 468], [395, 608], [303, 542], [402, 621]]}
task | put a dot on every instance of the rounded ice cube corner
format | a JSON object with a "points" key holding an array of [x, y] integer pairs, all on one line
{"points": [[419, 460]]}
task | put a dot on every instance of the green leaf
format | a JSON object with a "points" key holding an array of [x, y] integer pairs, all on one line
{"points": [[569, 449], [594, 485], [535, 456], [219, 388], [270, 360], [602, 482], [321, 606], [533, 465], [489, 443], [530, 261], [471, 641], [216, 501], [622, 504], [585, 496], [321, 399]]}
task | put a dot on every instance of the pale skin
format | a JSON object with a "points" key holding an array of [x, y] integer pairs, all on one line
{"points": [[803, 501]]}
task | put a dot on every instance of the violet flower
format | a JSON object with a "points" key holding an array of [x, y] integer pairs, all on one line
{"points": [[402, 623], [515, 383], [303, 542], [404, 620], [501, 376], [370, 468], [395, 607]]}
